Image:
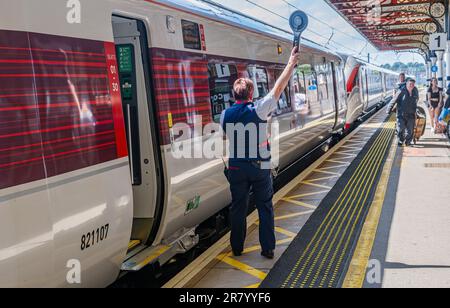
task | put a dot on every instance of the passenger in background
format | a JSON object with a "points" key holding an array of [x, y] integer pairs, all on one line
{"points": [[435, 99], [400, 87], [401, 83], [406, 102]]}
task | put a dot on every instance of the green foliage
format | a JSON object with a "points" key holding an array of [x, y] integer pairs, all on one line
{"points": [[409, 68]]}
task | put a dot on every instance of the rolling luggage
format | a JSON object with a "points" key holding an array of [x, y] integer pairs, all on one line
{"points": [[421, 124]]}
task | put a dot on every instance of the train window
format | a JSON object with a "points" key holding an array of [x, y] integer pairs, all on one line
{"points": [[260, 78], [323, 87], [191, 35], [221, 80], [299, 87], [284, 103], [312, 93]]}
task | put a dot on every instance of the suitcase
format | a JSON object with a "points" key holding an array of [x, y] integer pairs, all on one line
{"points": [[421, 124]]}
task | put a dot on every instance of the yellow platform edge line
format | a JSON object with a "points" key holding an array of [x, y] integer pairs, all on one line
{"points": [[356, 273], [299, 203], [284, 217], [244, 268], [316, 185], [309, 194]]}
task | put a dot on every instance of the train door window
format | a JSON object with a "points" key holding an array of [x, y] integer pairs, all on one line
{"points": [[299, 87], [363, 80], [191, 35], [221, 80], [311, 86], [284, 103], [260, 78], [340, 85]]}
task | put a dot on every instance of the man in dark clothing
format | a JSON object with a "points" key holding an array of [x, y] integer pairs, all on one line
{"points": [[402, 82], [406, 102]]}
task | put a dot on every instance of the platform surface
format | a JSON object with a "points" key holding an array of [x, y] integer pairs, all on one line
{"points": [[413, 239]]}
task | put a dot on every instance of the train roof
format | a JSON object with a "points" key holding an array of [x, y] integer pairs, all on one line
{"points": [[370, 65], [220, 13]]}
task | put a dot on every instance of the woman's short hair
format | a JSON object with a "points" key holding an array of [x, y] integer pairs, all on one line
{"points": [[243, 89]]}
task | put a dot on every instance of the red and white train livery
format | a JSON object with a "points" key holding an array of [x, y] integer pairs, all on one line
{"points": [[89, 94]]}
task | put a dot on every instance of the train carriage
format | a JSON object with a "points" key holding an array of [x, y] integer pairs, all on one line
{"points": [[368, 87], [90, 104]]}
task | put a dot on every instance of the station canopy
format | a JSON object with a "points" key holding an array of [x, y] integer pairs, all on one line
{"points": [[397, 25]]}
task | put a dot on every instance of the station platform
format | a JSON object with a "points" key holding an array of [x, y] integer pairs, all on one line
{"points": [[367, 214]]}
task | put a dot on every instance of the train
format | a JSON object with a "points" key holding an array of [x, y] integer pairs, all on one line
{"points": [[91, 94], [368, 87]]}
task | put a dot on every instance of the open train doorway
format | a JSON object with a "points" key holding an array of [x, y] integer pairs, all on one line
{"points": [[130, 37]]}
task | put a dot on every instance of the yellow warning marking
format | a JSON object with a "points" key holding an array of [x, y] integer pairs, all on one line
{"points": [[296, 202], [337, 161], [349, 152], [333, 167], [327, 172], [316, 185], [155, 255], [258, 247], [324, 178], [133, 244], [355, 142], [308, 194], [356, 273], [285, 232], [346, 156], [242, 267], [253, 286], [282, 231], [293, 215]]}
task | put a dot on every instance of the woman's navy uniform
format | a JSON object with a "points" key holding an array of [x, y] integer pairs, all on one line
{"points": [[250, 169]]}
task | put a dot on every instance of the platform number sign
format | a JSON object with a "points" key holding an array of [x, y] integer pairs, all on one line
{"points": [[438, 41], [223, 70]]}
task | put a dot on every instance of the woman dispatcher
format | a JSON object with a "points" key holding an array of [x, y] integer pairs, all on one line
{"points": [[435, 100]]}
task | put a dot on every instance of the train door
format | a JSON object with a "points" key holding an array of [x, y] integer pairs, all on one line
{"points": [[339, 94], [132, 56]]}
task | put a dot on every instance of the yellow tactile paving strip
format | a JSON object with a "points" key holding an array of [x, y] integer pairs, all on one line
{"points": [[292, 211]]}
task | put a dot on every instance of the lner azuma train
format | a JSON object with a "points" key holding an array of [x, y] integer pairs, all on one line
{"points": [[368, 87], [90, 92]]}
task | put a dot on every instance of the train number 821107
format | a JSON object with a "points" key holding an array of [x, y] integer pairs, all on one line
{"points": [[95, 237]]}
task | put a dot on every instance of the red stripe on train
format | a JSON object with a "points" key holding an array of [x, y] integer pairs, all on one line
{"points": [[58, 154], [116, 100], [100, 76], [47, 62], [55, 129]]}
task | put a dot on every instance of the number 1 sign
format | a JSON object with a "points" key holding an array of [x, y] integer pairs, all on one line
{"points": [[438, 42]]}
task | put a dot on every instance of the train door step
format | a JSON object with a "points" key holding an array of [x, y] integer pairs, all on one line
{"points": [[144, 256], [133, 244]]}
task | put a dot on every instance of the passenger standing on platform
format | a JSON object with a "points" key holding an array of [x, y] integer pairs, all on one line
{"points": [[400, 87], [402, 82], [435, 99], [250, 160], [406, 103]]}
